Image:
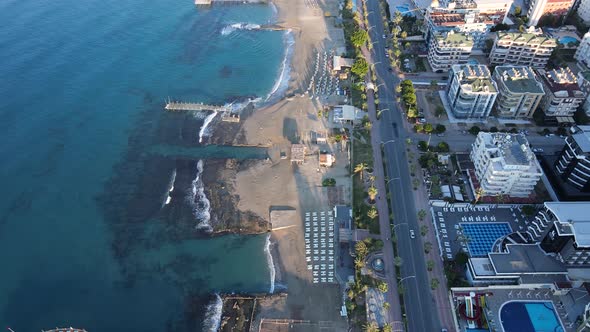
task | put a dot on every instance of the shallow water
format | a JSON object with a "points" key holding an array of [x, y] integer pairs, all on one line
{"points": [[82, 239]]}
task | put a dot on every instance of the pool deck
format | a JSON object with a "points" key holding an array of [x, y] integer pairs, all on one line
{"points": [[568, 306], [448, 217]]}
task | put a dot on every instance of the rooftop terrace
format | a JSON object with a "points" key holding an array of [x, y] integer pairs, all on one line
{"points": [[519, 79]]}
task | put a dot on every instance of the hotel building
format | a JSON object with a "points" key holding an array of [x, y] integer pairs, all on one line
{"points": [[562, 94], [574, 161], [538, 8], [505, 164]]}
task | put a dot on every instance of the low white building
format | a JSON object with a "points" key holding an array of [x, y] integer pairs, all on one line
{"points": [[347, 114], [505, 164]]}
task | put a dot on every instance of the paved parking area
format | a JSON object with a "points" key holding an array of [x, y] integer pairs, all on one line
{"points": [[319, 245], [457, 225]]}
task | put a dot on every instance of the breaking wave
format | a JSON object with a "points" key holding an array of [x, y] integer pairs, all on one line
{"points": [[170, 188], [213, 313], [199, 201], [205, 131], [271, 265], [239, 26], [282, 83]]}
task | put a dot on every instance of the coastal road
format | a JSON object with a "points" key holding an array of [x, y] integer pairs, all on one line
{"points": [[422, 312]]}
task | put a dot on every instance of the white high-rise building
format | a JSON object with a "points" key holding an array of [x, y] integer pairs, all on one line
{"points": [[583, 52], [532, 48], [505, 164], [447, 49], [539, 8], [471, 92], [584, 11], [519, 92]]}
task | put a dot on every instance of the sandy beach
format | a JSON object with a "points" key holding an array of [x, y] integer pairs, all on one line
{"points": [[277, 183]]}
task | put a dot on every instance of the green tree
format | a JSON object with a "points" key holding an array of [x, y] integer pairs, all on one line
{"points": [[434, 283], [474, 130], [461, 258], [413, 113], [428, 128], [359, 263], [421, 214], [493, 129], [439, 111], [517, 11], [371, 327], [427, 247], [372, 191], [398, 88], [397, 18], [360, 67], [360, 169], [423, 230], [422, 146], [359, 37], [398, 261], [479, 192], [440, 128], [386, 306], [443, 147], [409, 98], [418, 127], [430, 265], [372, 213], [361, 249], [403, 35], [382, 287], [397, 52]]}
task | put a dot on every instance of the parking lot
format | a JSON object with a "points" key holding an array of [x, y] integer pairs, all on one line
{"points": [[474, 228]]}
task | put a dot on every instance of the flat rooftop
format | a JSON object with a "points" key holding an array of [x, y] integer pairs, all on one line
{"points": [[581, 134], [514, 148], [519, 79], [474, 78], [573, 219], [525, 259], [528, 38], [455, 38]]}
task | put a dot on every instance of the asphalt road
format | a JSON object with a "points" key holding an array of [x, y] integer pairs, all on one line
{"points": [[421, 311]]}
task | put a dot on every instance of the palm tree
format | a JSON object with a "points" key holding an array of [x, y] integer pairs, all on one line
{"points": [[359, 263], [372, 178], [361, 249], [398, 261], [371, 327], [430, 265], [382, 287], [372, 192], [372, 213], [479, 192], [387, 327], [360, 169]]}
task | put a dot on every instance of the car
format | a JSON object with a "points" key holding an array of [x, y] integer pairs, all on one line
{"points": [[384, 36], [440, 135], [412, 234], [386, 55]]}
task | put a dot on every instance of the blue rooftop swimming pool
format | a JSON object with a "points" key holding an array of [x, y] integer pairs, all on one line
{"points": [[404, 10], [520, 316], [482, 235], [567, 39]]}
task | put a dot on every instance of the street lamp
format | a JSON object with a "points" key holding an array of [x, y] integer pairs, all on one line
{"points": [[386, 183], [394, 226], [402, 279], [390, 141]]}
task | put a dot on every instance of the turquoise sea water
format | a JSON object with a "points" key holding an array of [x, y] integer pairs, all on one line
{"points": [[83, 241]]}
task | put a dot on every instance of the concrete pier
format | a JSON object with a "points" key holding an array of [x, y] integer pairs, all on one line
{"points": [[180, 106]]}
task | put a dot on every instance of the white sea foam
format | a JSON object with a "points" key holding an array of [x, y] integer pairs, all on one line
{"points": [[205, 131], [282, 83], [212, 321], [271, 265], [170, 188], [199, 201], [238, 26]]}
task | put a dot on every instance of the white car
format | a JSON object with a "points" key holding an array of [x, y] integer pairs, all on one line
{"points": [[384, 36], [412, 234]]}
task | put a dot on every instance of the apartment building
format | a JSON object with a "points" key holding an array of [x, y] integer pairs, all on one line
{"points": [[471, 92], [531, 48], [519, 92], [583, 52], [466, 16], [584, 84], [447, 49], [573, 164], [565, 232], [505, 164], [562, 94], [583, 11], [539, 8]]}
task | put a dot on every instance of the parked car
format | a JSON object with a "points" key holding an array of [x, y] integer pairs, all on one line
{"points": [[412, 234], [384, 36]]}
